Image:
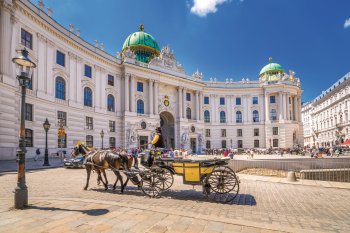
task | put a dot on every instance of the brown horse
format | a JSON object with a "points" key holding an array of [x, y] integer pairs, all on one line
{"points": [[101, 160]]}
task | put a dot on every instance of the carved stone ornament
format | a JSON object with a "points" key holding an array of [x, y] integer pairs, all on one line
{"points": [[129, 53], [185, 137], [197, 75], [167, 60]]}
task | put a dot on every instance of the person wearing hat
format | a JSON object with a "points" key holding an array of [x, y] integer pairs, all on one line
{"points": [[157, 140]]}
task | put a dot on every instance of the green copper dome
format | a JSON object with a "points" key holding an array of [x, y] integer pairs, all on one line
{"points": [[142, 44], [271, 67]]}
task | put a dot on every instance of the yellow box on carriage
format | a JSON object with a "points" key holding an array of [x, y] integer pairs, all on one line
{"points": [[192, 171]]}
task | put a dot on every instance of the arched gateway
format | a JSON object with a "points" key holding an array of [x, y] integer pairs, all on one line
{"points": [[167, 123]]}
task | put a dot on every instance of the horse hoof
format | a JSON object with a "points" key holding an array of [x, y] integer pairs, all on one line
{"points": [[85, 188]]}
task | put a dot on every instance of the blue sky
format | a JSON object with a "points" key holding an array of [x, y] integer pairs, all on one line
{"points": [[227, 39]]}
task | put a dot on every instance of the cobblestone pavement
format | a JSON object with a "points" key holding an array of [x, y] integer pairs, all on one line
{"points": [[58, 203]]}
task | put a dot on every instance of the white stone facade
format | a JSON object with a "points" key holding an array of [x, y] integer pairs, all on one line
{"points": [[326, 118], [163, 79]]}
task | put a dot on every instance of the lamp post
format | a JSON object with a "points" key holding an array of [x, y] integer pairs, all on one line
{"points": [[24, 69], [102, 135], [46, 126]]}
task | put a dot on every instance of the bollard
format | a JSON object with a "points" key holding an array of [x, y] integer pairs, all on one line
{"points": [[291, 176]]}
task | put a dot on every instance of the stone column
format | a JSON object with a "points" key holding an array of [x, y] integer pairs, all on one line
{"points": [[200, 105], [41, 70], [197, 105], [150, 94], [280, 105], [132, 94], [126, 90], [49, 65], [249, 117], [5, 36], [287, 106], [295, 116], [184, 90], [299, 108], [229, 108], [284, 106], [119, 88], [179, 99], [156, 94], [79, 71], [267, 118]]}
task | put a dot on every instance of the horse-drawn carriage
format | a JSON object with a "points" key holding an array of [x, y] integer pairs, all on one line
{"points": [[218, 181]]}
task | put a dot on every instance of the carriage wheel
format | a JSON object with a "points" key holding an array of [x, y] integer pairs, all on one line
{"points": [[166, 178], [222, 185], [151, 184]]}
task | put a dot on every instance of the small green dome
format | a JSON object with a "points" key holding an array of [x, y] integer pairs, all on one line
{"points": [[271, 67], [142, 44]]}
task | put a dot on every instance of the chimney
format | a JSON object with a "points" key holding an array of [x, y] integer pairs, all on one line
{"points": [[96, 43], [78, 31], [49, 11], [41, 4], [71, 27], [102, 46]]}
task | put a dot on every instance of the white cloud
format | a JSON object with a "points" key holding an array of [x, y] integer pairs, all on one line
{"points": [[204, 7], [347, 23]]}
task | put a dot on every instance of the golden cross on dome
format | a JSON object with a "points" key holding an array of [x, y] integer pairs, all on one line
{"points": [[270, 59], [142, 27]]}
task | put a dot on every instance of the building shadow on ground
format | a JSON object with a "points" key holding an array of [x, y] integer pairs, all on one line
{"points": [[91, 212], [189, 194]]}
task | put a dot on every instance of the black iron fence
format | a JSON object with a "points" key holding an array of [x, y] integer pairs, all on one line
{"points": [[337, 169]]}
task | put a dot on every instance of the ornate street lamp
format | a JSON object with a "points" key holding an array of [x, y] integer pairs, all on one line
{"points": [[102, 135], [24, 69], [46, 126]]}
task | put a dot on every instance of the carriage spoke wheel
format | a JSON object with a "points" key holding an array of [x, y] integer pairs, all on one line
{"points": [[166, 177], [222, 185], [151, 184]]}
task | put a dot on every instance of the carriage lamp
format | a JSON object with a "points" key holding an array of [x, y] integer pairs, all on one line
{"points": [[46, 126], [24, 70], [102, 135]]}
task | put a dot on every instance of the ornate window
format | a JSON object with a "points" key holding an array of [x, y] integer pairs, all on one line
{"points": [[240, 143], [256, 132], [223, 144], [29, 112], [206, 116], [275, 131], [62, 141], [273, 114], [222, 117], [188, 113], [255, 116], [112, 142], [29, 137], [26, 39], [60, 88], [62, 116], [110, 80], [89, 123], [110, 103], [207, 132], [89, 140], [239, 132], [207, 144], [255, 100], [87, 97], [140, 107], [222, 100], [111, 126], [272, 99], [275, 143], [238, 101], [238, 117], [256, 143], [88, 71], [188, 96], [206, 99], [140, 86], [60, 58]]}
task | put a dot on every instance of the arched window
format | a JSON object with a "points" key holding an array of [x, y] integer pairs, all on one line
{"points": [[60, 88], [206, 116], [87, 97], [110, 103], [255, 116], [140, 107], [222, 117], [238, 117], [188, 113], [273, 115]]}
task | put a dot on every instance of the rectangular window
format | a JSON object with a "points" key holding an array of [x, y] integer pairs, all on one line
{"points": [[207, 132], [89, 141], [206, 99], [239, 132], [272, 99], [60, 58], [255, 100], [110, 80], [223, 132], [207, 144], [62, 141], [112, 142], [29, 137], [111, 126], [88, 71], [188, 96], [256, 144], [240, 144], [256, 132], [222, 100], [275, 131], [223, 144], [29, 112], [62, 116], [275, 143], [89, 123], [290, 100], [238, 101], [140, 86], [26, 39]]}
